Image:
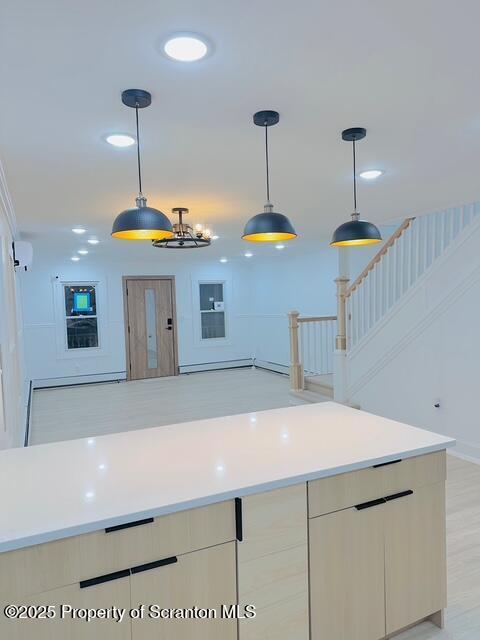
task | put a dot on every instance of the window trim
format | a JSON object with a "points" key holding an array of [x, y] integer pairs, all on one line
{"points": [[211, 342], [63, 352]]}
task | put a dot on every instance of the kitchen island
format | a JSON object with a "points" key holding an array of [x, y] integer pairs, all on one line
{"points": [[329, 521]]}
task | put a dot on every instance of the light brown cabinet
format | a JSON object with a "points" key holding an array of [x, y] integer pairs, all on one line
{"points": [[347, 587], [379, 565], [356, 556], [204, 579]]}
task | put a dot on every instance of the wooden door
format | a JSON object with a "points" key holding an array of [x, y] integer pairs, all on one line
{"points": [[415, 556], [202, 579], [150, 327], [347, 596]]}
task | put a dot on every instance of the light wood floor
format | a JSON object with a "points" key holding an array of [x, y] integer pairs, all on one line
{"points": [[60, 414], [92, 410]]}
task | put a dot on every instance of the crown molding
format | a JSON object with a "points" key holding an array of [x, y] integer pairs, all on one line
{"points": [[6, 204]]}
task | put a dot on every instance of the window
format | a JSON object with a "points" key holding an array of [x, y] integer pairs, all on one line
{"points": [[212, 310], [81, 316]]}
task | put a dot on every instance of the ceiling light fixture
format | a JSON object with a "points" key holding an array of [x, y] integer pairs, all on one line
{"points": [[184, 236], [248, 254], [121, 140], [78, 230], [223, 260], [356, 232], [140, 222], [371, 174], [75, 258], [215, 237], [185, 48], [82, 252], [279, 246], [93, 241], [268, 226]]}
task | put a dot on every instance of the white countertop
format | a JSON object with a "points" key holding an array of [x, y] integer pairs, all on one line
{"points": [[52, 491]]}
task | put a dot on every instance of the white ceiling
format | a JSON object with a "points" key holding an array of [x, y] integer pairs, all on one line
{"points": [[406, 70]]}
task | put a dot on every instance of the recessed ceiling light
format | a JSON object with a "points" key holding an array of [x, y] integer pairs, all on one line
{"points": [[279, 246], [248, 254], [78, 230], [215, 237], [93, 241], [223, 260], [186, 48], [371, 174], [75, 258], [120, 139], [82, 252]]}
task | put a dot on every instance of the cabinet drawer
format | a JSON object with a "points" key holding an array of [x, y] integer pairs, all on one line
{"points": [[114, 593], [348, 489], [273, 521], [62, 562]]}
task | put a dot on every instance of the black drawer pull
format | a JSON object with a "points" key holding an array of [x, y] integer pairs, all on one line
{"points": [[154, 565], [127, 525], [402, 494], [106, 578], [370, 503], [238, 519], [384, 464]]}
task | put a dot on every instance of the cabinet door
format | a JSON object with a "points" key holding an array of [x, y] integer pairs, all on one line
{"points": [[347, 588], [415, 556], [202, 579], [115, 593]]}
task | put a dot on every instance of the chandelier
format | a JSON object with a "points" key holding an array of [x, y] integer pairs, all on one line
{"points": [[184, 236]]}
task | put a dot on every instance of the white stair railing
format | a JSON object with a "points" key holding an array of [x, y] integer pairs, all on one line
{"points": [[312, 343], [411, 250]]}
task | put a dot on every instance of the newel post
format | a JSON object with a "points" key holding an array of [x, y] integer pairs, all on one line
{"points": [[340, 356], [341, 339], [296, 371]]}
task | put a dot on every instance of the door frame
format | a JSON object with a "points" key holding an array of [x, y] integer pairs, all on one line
{"points": [[171, 279]]}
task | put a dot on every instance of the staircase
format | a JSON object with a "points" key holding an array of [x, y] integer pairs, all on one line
{"points": [[383, 310]]}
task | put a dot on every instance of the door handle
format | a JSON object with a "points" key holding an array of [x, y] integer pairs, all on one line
{"points": [[168, 328], [402, 494], [370, 503], [91, 582], [154, 565]]}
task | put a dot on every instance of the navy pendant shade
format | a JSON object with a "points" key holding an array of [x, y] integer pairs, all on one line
{"points": [[355, 233], [140, 222], [269, 226]]}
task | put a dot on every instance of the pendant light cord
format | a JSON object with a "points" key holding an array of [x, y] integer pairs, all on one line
{"points": [[354, 179], [266, 163], [138, 154]]}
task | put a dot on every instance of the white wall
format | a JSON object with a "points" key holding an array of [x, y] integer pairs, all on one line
{"points": [[427, 350], [44, 359], [302, 283], [13, 391]]}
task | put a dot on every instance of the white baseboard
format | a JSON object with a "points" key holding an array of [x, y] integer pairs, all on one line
{"points": [[42, 383], [468, 452], [211, 366], [271, 366]]}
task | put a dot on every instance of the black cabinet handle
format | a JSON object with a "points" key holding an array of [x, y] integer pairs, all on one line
{"points": [[239, 519], [154, 565], [108, 577], [395, 496], [370, 503], [384, 464], [127, 525]]}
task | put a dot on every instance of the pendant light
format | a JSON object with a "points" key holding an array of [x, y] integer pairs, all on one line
{"points": [[356, 232], [268, 226], [185, 237], [140, 222]]}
